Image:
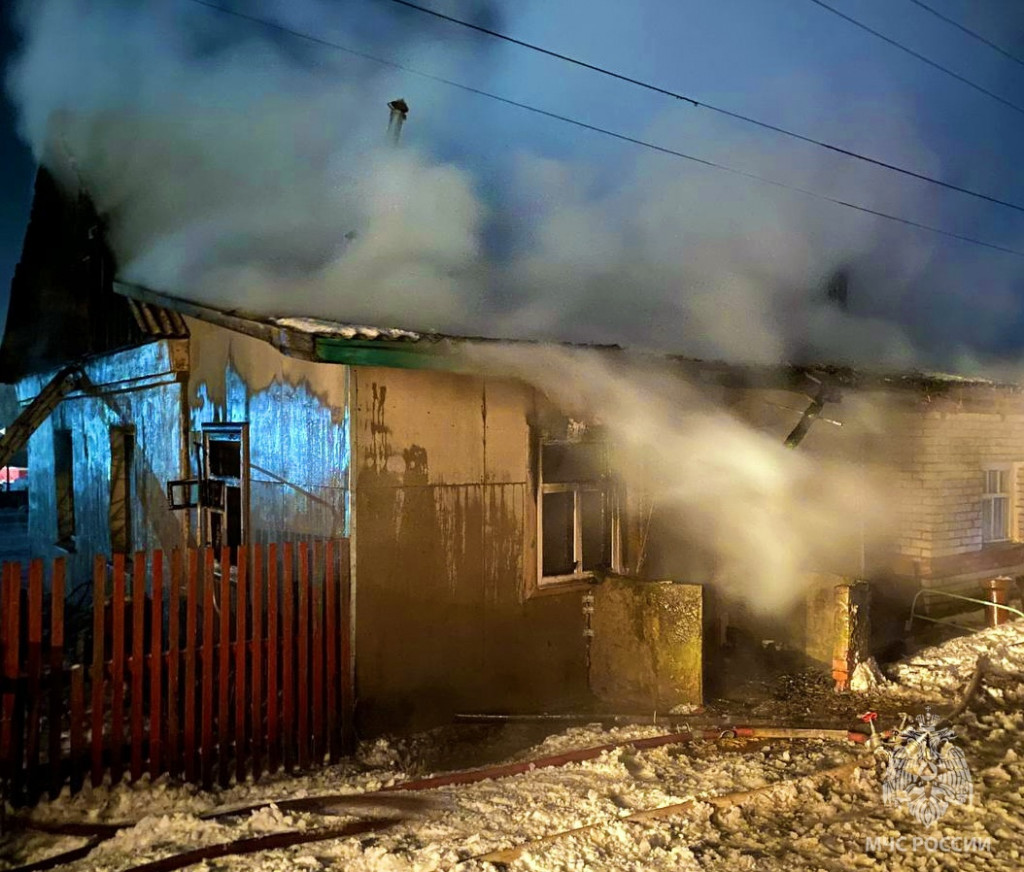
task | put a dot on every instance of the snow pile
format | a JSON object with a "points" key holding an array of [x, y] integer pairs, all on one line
{"points": [[946, 667], [867, 676]]}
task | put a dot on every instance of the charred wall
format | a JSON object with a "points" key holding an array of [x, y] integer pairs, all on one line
{"points": [[445, 549], [139, 391], [62, 303]]}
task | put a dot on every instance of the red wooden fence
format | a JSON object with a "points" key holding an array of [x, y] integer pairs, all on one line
{"points": [[202, 669]]}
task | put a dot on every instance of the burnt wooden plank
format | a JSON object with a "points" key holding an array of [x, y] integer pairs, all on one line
{"points": [[256, 625], [34, 676], [173, 753], [190, 689], [273, 650], [224, 671], [208, 748], [99, 586], [239, 683], [303, 655], [317, 649], [156, 660], [331, 645], [138, 666], [288, 656], [56, 714], [117, 645], [77, 728]]}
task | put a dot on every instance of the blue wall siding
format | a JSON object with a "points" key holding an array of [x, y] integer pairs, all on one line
{"points": [[140, 389], [298, 431]]}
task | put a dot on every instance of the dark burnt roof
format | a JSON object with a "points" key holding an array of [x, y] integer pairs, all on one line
{"points": [[342, 342], [62, 304]]}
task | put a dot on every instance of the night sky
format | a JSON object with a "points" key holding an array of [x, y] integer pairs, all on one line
{"points": [[218, 148], [16, 173]]}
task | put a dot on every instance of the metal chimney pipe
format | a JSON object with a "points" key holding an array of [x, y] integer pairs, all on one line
{"points": [[399, 112]]}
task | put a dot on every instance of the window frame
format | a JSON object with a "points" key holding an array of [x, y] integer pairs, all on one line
{"points": [[121, 509], [604, 485], [65, 515], [1008, 471], [212, 485]]}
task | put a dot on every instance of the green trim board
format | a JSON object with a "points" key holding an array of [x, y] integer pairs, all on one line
{"points": [[401, 355]]}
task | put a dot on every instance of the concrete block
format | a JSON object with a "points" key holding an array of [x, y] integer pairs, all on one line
{"points": [[647, 647], [852, 630]]}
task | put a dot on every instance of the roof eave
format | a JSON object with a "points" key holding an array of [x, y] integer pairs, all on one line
{"points": [[290, 342]]}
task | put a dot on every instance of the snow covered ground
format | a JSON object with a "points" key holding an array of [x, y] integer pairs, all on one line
{"points": [[804, 822]]}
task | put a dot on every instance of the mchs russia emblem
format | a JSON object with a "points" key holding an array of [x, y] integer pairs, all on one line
{"points": [[926, 772]]}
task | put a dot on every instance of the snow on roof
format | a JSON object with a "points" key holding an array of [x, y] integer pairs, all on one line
{"points": [[348, 331]]}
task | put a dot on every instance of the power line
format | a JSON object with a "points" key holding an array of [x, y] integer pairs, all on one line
{"points": [[969, 32], [765, 125], [934, 64], [604, 131]]}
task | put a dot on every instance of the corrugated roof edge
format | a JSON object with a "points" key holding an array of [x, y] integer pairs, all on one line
{"points": [[339, 342]]}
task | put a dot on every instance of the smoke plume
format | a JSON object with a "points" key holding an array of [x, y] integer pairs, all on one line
{"points": [[239, 165], [747, 514]]}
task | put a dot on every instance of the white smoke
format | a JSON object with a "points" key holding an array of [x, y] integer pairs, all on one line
{"points": [[746, 514], [242, 166]]}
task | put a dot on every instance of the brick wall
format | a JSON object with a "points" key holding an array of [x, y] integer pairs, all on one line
{"points": [[938, 450]]}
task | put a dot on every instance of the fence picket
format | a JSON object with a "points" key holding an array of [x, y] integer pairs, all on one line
{"points": [[273, 650], [10, 744], [34, 683], [253, 675], [138, 664], [238, 686], [99, 585], [303, 652], [191, 644], [331, 645], [224, 676], [173, 754], [56, 677], [287, 657], [256, 701], [156, 627], [117, 658], [317, 650], [208, 667]]}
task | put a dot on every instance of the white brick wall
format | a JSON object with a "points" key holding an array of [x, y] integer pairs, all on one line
{"points": [[941, 450]]}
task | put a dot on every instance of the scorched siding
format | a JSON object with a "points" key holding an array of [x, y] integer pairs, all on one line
{"points": [[297, 413], [142, 390], [445, 545]]}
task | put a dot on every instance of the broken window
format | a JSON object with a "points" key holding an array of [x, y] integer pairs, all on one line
{"points": [[995, 505], [122, 489], [576, 510], [64, 484], [225, 485]]}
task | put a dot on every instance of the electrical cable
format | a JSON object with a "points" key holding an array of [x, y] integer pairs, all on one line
{"points": [[914, 54], [765, 125], [606, 132], [972, 33]]}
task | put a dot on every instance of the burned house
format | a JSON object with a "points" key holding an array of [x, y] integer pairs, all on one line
{"points": [[481, 517]]}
